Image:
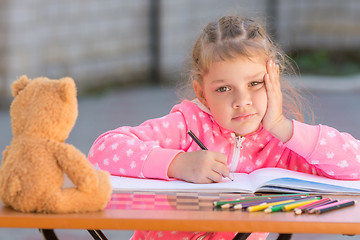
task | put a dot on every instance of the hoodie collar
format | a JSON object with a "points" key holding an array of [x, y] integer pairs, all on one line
{"points": [[201, 106]]}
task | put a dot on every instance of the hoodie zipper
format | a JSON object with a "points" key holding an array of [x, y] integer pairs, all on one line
{"points": [[237, 149]]}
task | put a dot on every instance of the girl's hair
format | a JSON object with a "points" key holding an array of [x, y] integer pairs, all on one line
{"points": [[232, 37]]}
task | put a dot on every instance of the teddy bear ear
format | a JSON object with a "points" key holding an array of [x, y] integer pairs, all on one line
{"points": [[67, 88], [19, 85]]}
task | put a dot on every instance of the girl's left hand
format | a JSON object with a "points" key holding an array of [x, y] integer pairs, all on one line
{"points": [[274, 121]]}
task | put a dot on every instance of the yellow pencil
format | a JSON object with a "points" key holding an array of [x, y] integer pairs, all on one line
{"points": [[266, 205], [292, 206]]}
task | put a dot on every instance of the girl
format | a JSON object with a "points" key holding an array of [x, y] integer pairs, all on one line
{"points": [[238, 115]]}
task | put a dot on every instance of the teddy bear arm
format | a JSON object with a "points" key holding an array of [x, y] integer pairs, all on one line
{"points": [[77, 167], [5, 153]]}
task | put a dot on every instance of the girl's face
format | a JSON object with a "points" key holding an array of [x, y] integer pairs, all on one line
{"points": [[235, 93]]}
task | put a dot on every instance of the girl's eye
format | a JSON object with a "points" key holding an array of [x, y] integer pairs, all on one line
{"points": [[255, 83], [223, 89]]}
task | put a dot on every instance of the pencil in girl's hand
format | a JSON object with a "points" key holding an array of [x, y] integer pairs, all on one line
{"points": [[202, 146]]}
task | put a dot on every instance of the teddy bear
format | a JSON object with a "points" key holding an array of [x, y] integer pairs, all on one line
{"points": [[43, 113]]}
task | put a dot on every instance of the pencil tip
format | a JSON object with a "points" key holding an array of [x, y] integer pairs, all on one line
{"points": [[237, 206], [226, 206]]}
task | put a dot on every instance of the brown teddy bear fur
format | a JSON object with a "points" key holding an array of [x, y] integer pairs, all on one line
{"points": [[43, 113]]}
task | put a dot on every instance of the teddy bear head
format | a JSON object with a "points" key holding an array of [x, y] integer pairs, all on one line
{"points": [[43, 107]]}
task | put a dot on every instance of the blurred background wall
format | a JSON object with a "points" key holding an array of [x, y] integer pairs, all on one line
{"points": [[114, 42]]}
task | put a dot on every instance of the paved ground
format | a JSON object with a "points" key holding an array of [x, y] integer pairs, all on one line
{"points": [[132, 106]]}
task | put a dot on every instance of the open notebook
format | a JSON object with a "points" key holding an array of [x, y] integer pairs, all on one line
{"points": [[261, 180]]}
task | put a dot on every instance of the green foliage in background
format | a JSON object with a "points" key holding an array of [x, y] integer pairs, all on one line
{"points": [[325, 62]]}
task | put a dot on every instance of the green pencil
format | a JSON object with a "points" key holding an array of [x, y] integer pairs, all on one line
{"points": [[278, 208], [256, 198]]}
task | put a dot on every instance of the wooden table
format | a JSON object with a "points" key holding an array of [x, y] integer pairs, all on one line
{"points": [[120, 215]]}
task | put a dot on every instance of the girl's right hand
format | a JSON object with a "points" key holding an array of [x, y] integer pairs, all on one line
{"points": [[199, 167], [274, 120]]}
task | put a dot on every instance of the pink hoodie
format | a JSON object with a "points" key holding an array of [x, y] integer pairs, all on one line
{"points": [[146, 151]]}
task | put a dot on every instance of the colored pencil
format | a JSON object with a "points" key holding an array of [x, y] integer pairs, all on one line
{"points": [[311, 210], [245, 205], [261, 207], [304, 208], [334, 206], [256, 198], [299, 203], [202, 146], [277, 208]]}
